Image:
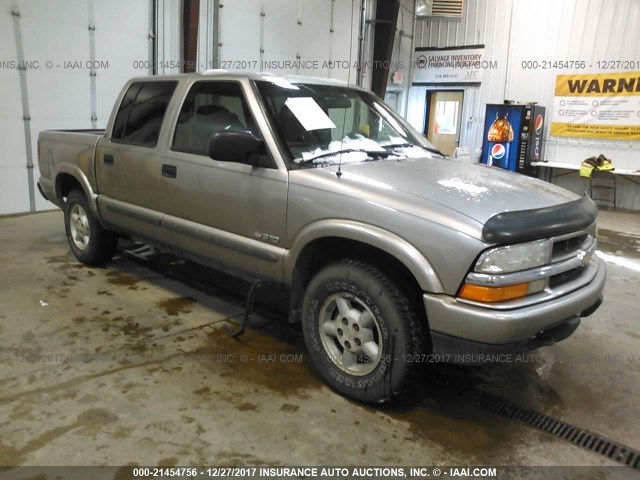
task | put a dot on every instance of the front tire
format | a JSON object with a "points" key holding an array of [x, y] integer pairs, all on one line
{"points": [[90, 243], [361, 330]]}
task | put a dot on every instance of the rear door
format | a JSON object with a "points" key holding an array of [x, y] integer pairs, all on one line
{"points": [[129, 163]]}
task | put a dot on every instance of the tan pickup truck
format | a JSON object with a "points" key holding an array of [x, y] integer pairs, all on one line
{"points": [[389, 250]]}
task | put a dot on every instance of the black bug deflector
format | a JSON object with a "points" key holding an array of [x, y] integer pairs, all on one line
{"points": [[524, 225]]}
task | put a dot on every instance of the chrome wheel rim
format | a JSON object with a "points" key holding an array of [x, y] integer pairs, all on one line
{"points": [[79, 226], [350, 334]]}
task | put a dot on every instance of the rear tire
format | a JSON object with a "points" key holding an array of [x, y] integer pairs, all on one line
{"points": [[362, 331], [89, 241]]}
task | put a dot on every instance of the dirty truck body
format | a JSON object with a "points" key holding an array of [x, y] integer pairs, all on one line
{"points": [[392, 253]]}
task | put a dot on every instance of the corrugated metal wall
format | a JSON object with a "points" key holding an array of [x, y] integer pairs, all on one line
{"points": [[483, 22], [515, 31]]}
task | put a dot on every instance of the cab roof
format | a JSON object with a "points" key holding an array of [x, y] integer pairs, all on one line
{"points": [[238, 75]]}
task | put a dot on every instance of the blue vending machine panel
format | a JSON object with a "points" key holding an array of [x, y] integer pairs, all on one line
{"points": [[512, 136]]}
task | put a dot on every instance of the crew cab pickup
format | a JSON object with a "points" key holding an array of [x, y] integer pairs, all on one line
{"points": [[388, 249]]}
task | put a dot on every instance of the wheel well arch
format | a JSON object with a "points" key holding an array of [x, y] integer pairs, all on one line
{"points": [[69, 178], [65, 182], [325, 250]]}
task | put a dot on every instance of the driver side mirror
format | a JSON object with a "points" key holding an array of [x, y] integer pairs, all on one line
{"points": [[239, 147]]}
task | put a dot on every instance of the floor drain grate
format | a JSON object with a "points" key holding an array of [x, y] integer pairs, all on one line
{"points": [[578, 436]]}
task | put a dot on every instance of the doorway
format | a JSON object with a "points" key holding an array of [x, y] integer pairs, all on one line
{"points": [[444, 117]]}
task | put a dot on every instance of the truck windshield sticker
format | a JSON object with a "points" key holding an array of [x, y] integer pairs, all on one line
{"points": [[309, 113]]}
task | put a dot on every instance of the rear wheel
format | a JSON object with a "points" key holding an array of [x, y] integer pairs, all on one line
{"points": [[89, 241], [361, 331]]}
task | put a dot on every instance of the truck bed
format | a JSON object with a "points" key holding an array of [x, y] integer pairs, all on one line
{"points": [[70, 151], [89, 131]]}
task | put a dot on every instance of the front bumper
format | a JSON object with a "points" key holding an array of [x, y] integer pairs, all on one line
{"points": [[457, 326]]}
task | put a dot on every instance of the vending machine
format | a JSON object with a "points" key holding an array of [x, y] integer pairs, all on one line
{"points": [[512, 137]]}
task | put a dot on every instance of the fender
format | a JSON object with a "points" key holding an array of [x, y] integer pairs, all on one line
{"points": [[77, 173], [389, 242]]}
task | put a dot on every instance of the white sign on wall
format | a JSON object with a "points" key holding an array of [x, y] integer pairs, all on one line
{"points": [[449, 65]]}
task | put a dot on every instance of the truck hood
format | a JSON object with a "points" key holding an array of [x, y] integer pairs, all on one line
{"points": [[473, 190]]}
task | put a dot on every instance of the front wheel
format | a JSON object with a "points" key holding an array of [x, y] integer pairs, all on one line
{"points": [[361, 331], [89, 242]]}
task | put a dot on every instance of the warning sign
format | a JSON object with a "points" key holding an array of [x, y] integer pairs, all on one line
{"points": [[605, 105]]}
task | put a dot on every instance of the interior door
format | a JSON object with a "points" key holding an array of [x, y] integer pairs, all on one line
{"points": [[444, 115]]}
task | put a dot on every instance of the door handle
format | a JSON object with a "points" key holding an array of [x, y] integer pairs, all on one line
{"points": [[169, 170], [107, 159]]}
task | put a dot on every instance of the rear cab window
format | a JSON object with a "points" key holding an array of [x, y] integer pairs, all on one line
{"points": [[142, 112]]}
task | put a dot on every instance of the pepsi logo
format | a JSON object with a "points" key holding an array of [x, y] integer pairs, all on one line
{"points": [[498, 151], [538, 124]]}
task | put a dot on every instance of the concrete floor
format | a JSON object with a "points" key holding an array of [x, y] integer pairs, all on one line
{"points": [[123, 365]]}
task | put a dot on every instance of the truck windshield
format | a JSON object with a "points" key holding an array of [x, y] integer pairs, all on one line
{"points": [[326, 124]]}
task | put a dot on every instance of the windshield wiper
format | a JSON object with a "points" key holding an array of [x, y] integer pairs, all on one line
{"points": [[374, 154], [405, 145]]}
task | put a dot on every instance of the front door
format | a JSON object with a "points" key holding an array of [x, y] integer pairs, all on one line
{"points": [[228, 211], [444, 115]]}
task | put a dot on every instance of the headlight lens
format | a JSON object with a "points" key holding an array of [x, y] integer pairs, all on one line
{"points": [[514, 258]]}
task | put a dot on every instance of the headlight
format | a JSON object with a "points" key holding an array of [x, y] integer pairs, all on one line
{"points": [[514, 258]]}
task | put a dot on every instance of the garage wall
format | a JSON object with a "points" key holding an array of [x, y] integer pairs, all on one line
{"points": [[72, 75], [514, 31], [208, 34], [483, 22], [286, 37], [70, 93], [278, 31], [401, 57], [168, 42], [13, 161]]}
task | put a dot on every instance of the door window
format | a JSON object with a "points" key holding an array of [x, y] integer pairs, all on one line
{"points": [[211, 107], [141, 113], [444, 116]]}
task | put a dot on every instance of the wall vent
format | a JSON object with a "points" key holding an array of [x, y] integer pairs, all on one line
{"points": [[439, 8]]}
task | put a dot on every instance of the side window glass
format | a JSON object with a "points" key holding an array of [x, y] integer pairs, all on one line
{"points": [[211, 107], [125, 109], [142, 112]]}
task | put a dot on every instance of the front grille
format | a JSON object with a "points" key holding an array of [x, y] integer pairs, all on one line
{"points": [[567, 247], [565, 277]]}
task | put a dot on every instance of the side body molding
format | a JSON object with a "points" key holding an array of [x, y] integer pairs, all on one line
{"points": [[389, 242]]}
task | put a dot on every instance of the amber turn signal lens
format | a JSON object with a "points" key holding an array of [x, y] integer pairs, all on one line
{"points": [[479, 293]]}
